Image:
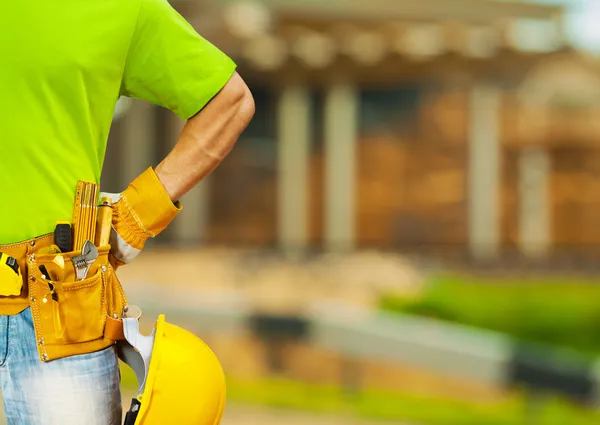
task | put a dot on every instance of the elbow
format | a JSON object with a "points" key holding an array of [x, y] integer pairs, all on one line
{"points": [[247, 107], [218, 126], [241, 101]]}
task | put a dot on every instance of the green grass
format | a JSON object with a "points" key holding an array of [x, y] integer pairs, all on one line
{"points": [[560, 312], [128, 379], [381, 405]]}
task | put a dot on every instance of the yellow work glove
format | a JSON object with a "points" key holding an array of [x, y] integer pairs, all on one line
{"points": [[141, 211]]}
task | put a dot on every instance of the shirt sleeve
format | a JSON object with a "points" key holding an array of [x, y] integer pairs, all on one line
{"points": [[170, 64]]}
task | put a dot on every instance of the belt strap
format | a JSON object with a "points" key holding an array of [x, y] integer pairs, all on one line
{"points": [[114, 329]]}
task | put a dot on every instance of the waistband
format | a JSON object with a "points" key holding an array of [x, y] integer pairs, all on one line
{"points": [[20, 250]]}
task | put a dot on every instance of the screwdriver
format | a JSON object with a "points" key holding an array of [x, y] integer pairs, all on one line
{"points": [[104, 224]]}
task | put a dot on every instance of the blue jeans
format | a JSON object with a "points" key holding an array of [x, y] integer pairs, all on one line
{"points": [[76, 390]]}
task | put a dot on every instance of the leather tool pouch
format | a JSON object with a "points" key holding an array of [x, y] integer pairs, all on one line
{"points": [[70, 316]]}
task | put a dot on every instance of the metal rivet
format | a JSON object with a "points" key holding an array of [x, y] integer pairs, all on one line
{"points": [[116, 316], [32, 299], [32, 278], [31, 258], [41, 341], [103, 268], [45, 356], [32, 243]]}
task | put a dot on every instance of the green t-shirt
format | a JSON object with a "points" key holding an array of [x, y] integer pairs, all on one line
{"points": [[64, 65]]}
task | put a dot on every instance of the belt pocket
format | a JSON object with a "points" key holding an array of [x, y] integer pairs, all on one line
{"points": [[68, 311], [114, 297]]}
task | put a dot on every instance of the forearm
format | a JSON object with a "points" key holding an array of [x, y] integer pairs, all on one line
{"points": [[206, 139]]}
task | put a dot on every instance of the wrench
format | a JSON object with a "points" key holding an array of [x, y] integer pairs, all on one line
{"points": [[82, 263]]}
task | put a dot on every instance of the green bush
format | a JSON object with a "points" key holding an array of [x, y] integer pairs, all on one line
{"points": [[401, 407], [553, 311]]}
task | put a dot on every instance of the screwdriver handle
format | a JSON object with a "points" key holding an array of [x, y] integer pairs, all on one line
{"points": [[104, 222]]}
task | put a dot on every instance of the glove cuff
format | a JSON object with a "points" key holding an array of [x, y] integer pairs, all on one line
{"points": [[144, 209]]}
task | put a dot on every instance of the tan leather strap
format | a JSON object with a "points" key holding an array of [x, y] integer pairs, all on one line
{"points": [[114, 329]]}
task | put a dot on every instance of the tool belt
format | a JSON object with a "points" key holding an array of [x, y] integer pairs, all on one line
{"points": [[70, 316], [69, 281]]}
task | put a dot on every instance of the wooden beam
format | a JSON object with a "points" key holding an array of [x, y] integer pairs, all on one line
{"points": [[388, 10], [266, 52], [314, 49]]}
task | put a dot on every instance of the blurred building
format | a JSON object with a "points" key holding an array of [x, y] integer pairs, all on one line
{"points": [[463, 128]]}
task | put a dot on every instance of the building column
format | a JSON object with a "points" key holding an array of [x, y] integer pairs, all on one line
{"points": [[111, 179], [191, 224], [534, 202], [293, 150], [341, 132], [138, 140], [484, 172]]}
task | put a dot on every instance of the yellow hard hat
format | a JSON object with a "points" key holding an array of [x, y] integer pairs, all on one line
{"points": [[181, 381]]}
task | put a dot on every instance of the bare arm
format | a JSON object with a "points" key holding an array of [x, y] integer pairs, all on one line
{"points": [[207, 138]]}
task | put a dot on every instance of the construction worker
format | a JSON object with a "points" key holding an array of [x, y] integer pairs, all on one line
{"points": [[64, 66]]}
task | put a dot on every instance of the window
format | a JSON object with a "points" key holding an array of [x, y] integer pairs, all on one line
{"points": [[385, 110]]}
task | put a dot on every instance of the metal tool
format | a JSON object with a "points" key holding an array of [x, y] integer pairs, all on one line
{"points": [[82, 263], [44, 272], [52, 293]]}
